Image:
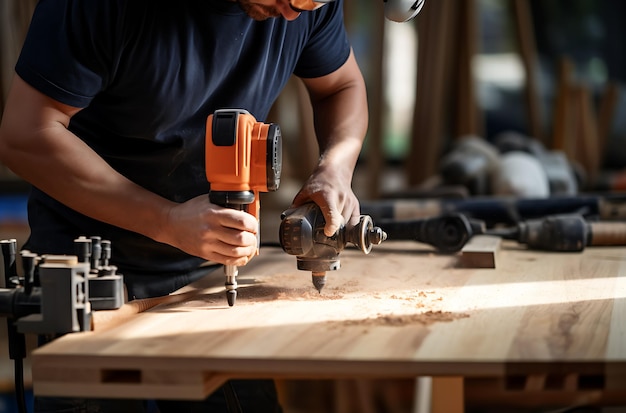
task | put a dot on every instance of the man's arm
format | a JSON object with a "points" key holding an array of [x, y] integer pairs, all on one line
{"points": [[341, 117], [36, 144]]}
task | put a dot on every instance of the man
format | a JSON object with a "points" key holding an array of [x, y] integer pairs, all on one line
{"points": [[106, 119]]}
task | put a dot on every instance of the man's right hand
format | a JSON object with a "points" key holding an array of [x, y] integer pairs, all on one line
{"points": [[212, 232]]}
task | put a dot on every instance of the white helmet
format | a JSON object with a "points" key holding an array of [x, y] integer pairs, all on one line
{"points": [[402, 10]]}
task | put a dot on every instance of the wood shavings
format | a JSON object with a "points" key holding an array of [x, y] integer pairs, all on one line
{"points": [[261, 292], [393, 320]]}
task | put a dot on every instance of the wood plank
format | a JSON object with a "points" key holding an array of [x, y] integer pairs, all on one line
{"points": [[480, 252], [469, 119], [527, 47], [606, 116], [436, 26], [562, 139], [400, 312]]}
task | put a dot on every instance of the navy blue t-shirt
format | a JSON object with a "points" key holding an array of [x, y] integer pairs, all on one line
{"points": [[147, 74]]}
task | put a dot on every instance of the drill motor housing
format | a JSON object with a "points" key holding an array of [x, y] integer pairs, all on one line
{"points": [[302, 234], [243, 158]]}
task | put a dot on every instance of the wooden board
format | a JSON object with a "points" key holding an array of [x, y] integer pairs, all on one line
{"points": [[480, 252], [402, 311]]}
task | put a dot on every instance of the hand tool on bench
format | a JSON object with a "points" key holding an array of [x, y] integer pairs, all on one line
{"points": [[499, 210], [559, 232], [564, 233], [447, 233], [243, 158], [301, 234]]}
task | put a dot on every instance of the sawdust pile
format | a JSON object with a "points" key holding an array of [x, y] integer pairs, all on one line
{"points": [[392, 320], [270, 293]]}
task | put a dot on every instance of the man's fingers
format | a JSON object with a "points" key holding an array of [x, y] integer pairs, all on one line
{"points": [[334, 221], [238, 220]]}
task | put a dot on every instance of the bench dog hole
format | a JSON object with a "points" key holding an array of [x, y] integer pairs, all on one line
{"points": [[121, 376]]}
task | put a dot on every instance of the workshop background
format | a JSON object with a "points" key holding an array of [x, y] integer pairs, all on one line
{"points": [[467, 76]]}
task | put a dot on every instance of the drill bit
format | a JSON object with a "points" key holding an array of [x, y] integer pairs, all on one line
{"points": [[319, 280], [231, 272]]}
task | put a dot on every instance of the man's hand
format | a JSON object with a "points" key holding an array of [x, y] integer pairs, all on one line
{"points": [[212, 232], [330, 189]]}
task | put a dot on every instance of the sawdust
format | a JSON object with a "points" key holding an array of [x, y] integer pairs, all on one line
{"points": [[393, 320], [270, 292]]}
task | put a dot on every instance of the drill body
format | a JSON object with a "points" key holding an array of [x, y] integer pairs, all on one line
{"points": [[302, 234], [243, 158]]}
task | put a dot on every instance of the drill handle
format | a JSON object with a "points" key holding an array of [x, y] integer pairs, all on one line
{"points": [[607, 233], [248, 201]]}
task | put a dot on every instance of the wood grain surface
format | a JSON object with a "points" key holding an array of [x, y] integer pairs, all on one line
{"points": [[401, 311]]}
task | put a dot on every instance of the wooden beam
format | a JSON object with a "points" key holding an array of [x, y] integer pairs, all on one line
{"points": [[480, 252], [527, 47], [435, 26]]}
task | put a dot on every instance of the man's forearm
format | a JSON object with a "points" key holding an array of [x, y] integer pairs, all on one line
{"points": [[341, 119], [36, 145], [69, 171]]}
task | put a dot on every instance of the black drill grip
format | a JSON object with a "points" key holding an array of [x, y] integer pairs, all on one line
{"points": [[564, 233], [447, 233], [232, 199]]}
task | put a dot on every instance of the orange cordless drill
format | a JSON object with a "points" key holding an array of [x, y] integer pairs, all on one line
{"points": [[243, 158]]}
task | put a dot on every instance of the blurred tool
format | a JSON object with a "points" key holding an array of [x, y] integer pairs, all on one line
{"points": [[499, 210], [561, 232], [520, 174], [243, 158], [302, 234], [447, 233], [514, 164], [472, 162], [564, 232], [53, 295], [563, 177]]}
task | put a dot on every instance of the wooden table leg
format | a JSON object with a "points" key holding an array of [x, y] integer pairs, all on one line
{"points": [[447, 395]]}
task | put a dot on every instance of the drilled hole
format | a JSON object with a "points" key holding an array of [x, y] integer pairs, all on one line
{"points": [[515, 382], [121, 376], [554, 382], [591, 382]]}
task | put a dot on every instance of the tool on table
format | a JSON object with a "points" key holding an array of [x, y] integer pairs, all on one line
{"points": [[447, 233], [243, 158], [559, 232], [564, 232], [471, 163], [302, 234], [55, 295], [499, 210]]}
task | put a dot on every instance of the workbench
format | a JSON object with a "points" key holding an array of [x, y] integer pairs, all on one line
{"points": [[538, 322]]}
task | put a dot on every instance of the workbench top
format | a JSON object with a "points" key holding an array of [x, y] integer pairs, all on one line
{"points": [[401, 311]]}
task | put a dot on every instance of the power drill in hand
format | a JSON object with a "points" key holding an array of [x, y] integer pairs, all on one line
{"points": [[302, 234], [243, 158]]}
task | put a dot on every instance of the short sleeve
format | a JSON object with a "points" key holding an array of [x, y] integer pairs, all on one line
{"points": [[68, 53], [328, 47]]}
